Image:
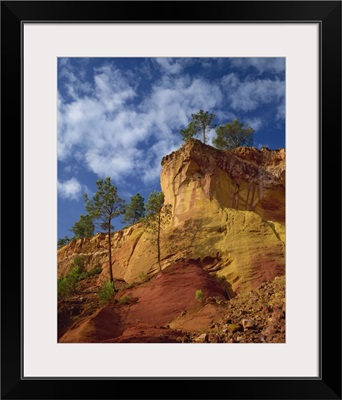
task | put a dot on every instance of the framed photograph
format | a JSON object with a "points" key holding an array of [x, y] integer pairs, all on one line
{"points": [[171, 199]]}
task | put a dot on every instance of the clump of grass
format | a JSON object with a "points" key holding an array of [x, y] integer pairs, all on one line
{"points": [[106, 293], [125, 299], [143, 277], [199, 296]]}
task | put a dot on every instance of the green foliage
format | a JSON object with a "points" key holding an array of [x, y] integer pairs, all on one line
{"points": [[67, 286], [84, 227], [200, 123], [107, 292], [154, 205], [135, 210], [157, 216], [95, 271], [105, 205], [232, 135], [63, 241], [199, 296], [188, 133], [63, 288], [74, 275], [125, 299], [89, 274], [143, 277], [79, 261]]}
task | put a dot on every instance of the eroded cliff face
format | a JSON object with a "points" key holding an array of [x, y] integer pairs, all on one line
{"points": [[228, 212], [198, 178]]}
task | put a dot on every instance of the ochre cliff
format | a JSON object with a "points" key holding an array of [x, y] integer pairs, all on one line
{"points": [[228, 213], [197, 178]]}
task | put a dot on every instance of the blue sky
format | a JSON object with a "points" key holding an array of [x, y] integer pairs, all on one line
{"points": [[118, 117]]}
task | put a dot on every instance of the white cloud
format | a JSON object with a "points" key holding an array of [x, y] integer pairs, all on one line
{"points": [[174, 66], [262, 64], [173, 101], [210, 136], [231, 81], [255, 123], [62, 61], [102, 130], [280, 115], [248, 95], [169, 65], [70, 189], [151, 164], [106, 128]]}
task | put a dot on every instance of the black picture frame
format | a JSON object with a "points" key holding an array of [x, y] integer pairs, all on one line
{"points": [[328, 15]]}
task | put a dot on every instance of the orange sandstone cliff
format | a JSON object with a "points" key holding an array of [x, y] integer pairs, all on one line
{"points": [[228, 215]]}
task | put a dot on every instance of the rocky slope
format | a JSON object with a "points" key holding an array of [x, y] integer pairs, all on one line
{"points": [[151, 306], [228, 214], [165, 310]]}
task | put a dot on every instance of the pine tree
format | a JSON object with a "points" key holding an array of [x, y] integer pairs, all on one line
{"points": [[135, 210], [200, 123], [158, 215], [232, 135], [84, 227], [105, 205]]}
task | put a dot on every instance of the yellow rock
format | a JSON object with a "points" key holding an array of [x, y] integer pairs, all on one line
{"points": [[228, 212]]}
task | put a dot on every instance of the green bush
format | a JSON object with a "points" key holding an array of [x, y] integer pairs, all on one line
{"points": [[63, 288], [74, 275], [83, 275], [125, 299], [63, 241], [67, 286], [107, 292], [88, 274], [143, 277], [79, 261], [95, 271], [199, 296]]}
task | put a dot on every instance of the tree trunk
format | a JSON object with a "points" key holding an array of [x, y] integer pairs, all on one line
{"points": [[110, 255], [158, 241], [203, 133]]}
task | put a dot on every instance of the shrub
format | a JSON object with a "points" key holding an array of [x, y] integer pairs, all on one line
{"points": [[125, 299], [84, 275], [107, 292], [199, 295], [74, 275], [63, 288], [63, 241], [95, 271], [79, 261], [88, 274], [143, 277], [67, 286]]}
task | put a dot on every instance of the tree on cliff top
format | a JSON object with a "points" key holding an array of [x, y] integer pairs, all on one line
{"points": [[84, 227], [232, 135], [63, 241], [200, 123], [158, 214], [135, 210], [105, 205]]}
